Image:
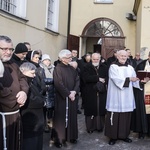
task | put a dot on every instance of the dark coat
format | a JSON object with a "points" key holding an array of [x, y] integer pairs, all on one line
{"points": [[141, 65], [32, 113], [139, 118], [111, 60], [65, 80], [39, 79], [91, 78], [17, 60], [33, 118]]}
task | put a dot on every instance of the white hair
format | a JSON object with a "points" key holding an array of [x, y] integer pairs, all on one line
{"points": [[64, 53], [121, 51], [96, 54], [27, 66]]}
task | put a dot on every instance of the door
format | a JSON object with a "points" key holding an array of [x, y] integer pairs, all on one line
{"points": [[111, 43], [73, 43]]}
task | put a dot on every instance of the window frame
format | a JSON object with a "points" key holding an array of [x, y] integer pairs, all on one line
{"points": [[19, 9], [54, 16], [103, 1]]}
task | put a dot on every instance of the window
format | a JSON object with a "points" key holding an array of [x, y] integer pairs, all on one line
{"points": [[103, 27], [53, 15], [14, 7], [103, 1]]}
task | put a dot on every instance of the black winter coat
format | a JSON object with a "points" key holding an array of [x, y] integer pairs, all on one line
{"points": [[32, 113], [91, 78]]}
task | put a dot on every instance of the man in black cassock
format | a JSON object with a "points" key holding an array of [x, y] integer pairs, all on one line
{"points": [[140, 122], [66, 82]]}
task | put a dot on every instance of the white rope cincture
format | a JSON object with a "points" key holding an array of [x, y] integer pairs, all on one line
{"points": [[111, 118], [3, 114], [66, 112]]}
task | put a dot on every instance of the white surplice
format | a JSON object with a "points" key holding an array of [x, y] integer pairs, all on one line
{"points": [[119, 98]]}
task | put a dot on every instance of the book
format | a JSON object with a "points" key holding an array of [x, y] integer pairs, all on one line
{"points": [[141, 74]]}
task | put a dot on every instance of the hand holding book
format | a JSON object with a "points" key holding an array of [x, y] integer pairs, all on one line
{"points": [[143, 75]]}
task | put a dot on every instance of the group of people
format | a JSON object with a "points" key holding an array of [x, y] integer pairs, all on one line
{"points": [[33, 91]]}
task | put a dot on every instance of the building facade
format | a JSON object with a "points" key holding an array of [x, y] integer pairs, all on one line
{"points": [[88, 26], [102, 25], [142, 11], [41, 23]]}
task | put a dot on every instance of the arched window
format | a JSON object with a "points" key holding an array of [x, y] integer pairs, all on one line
{"points": [[102, 27]]}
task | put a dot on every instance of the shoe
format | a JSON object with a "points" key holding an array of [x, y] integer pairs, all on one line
{"points": [[79, 112], [127, 140], [64, 143], [141, 136], [101, 130], [74, 141], [90, 132], [82, 107], [112, 142], [58, 145]]}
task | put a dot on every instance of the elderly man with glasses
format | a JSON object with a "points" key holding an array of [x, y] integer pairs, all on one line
{"points": [[66, 82]]}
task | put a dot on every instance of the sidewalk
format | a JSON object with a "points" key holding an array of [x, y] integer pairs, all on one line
{"points": [[97, 141]]}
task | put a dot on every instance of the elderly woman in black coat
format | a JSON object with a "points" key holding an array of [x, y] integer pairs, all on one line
{"points": [[32, 111]]}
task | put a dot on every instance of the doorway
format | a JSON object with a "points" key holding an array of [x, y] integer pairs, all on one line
{"points": [[102, 35]]}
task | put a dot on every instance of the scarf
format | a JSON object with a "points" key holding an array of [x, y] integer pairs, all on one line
{"points": [[48, 70]]}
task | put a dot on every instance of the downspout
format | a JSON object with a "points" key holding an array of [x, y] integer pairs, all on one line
{"points": [[69, 18]]}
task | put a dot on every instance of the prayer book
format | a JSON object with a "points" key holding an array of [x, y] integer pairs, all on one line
{"points": [[141, 74]]}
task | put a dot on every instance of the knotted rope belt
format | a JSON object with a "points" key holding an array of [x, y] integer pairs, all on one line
{"points": [[3, 114]]}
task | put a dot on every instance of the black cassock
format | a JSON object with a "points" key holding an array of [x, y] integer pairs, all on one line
{"points": [[140, 121], [66, 79], [139, 118]]}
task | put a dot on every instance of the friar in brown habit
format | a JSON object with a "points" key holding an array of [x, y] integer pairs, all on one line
{"points": [[13, 94], [66, 82]]}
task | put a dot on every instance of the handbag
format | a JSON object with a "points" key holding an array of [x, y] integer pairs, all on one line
{"points": [[100, 87]]}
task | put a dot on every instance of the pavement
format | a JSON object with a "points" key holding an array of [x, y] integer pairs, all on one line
{"points": [[97, 141]]}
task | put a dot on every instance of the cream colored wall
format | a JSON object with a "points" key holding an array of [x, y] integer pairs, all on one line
{"points": [[83, 13], [138, 29], [34, 30], [145, 25]]}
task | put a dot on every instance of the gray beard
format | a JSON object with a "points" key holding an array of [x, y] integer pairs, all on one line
{"points": [[95, 64]]}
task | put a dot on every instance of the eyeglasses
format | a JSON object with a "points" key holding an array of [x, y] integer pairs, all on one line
{"points": [[6, 49], [68, 57]]}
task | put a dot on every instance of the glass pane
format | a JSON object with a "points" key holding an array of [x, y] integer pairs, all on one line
{"points": [[103, 28]]}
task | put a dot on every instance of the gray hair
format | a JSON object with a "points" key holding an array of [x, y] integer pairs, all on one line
{"points": [[64, 53], [5, 38], [121, 51], [96, 54], [27, 66]]}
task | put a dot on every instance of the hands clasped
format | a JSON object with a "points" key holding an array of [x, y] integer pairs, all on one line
{"points": [[21, 98], [72, 95], [134, 79], [102, 80]]}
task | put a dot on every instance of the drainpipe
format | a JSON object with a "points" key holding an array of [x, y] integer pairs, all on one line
{"points": [[69, 18]]}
